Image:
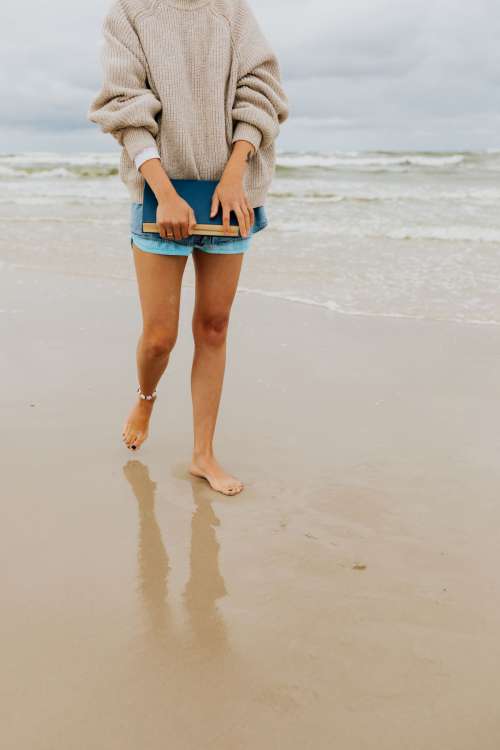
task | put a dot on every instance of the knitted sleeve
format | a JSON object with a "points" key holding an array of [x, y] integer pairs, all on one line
{"points": [[260, 104], [125, 106]]}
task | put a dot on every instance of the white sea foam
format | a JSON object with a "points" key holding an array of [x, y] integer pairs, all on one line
{"points": [[6, 171], [378, 193], [50, 220], [80, 163], [451, 234], [336, 308], [47, 158], [371, 161]]}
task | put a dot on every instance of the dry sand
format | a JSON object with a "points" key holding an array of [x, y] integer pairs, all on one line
{"points": [[347, 599]]}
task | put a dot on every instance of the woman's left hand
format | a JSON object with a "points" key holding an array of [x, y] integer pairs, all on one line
{"points": [[230, 194]]}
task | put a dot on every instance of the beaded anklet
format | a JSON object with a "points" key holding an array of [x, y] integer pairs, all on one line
{"points": [[151, 397]]}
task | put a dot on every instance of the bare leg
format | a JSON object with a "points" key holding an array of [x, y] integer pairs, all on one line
{"points": [[159, 279], [216, 283]]}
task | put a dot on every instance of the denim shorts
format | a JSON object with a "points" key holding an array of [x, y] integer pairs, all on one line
{"points": [[151, 242]]}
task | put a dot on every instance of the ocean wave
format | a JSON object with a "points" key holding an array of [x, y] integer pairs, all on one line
{"points": [[50, 174], [381, 194], [57, 173], [449, 234], [46, 159], [8, 172], [370, 161], [336, 308], [370, 231], [323, 198], [107, 163], [23, 220]]}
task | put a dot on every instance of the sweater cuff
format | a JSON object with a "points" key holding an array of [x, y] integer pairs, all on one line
{"points": [[136, 140], [147, 153], [244, 131]]}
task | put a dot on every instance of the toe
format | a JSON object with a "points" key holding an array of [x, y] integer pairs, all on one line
{"points": [[141, 437]]}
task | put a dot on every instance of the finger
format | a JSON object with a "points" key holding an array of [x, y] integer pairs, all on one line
{"points": [[246, 213], [225, 218], [241, 221], [246, 217], [163, 233], [252, 215], [177, 231], [192, 219], [170, 230], [185, 227], [159, 224], [215, 205]]}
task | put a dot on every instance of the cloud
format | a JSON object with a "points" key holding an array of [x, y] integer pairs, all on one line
{"points": [[367, 40], [362, 72]]}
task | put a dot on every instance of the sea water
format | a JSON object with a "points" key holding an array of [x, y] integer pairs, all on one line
{"points": [[361, 233]]}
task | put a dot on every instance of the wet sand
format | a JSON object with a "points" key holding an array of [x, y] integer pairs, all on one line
{"points": [[348, 598]]}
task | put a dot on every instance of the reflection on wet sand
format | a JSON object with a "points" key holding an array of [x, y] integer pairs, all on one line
{"points": [[205, 585]]}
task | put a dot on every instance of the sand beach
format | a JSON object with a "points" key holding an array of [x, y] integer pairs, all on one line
{"points": [[348, 598]]}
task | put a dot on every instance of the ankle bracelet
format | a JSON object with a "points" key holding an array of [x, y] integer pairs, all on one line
{"points": [[151, 397]]}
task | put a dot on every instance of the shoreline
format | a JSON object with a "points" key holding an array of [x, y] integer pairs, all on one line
{"points": [[329, 306]]}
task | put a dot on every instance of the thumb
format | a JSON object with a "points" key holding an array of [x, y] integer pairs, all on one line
{"points": [[215, 205]]}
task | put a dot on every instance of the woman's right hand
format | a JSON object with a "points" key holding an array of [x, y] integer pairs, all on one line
{"points": [[175, 217]]}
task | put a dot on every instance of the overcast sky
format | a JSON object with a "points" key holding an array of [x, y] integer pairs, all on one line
{"points": [[360, 74]]}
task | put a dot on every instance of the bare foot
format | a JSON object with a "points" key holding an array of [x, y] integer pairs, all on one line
{"points": [[136, 428], [209, 468]]}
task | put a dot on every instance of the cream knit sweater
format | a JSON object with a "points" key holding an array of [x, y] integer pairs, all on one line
{"points": [[189, 77]]}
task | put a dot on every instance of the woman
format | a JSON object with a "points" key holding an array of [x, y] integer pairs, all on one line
{"points": [[191, 89]]}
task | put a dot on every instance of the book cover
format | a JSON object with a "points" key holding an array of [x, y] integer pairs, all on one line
{"points": [[198, 193]]}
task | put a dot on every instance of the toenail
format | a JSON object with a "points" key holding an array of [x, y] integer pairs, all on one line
{"points": [[134, 447]]}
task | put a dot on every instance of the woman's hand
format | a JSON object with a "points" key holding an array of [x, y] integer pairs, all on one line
{"points": [[174, 217], [230, 194]]}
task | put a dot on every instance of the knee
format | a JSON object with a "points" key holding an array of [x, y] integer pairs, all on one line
{"points": [[158, 343], [211, 330]]}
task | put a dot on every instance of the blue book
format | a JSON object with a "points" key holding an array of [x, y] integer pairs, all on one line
{"points": [[198, 194]]}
